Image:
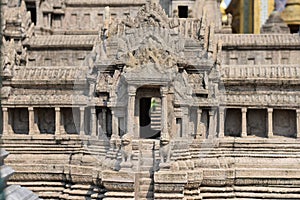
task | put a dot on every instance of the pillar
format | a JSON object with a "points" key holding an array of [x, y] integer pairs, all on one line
{"points": [[221, 122], [104, 121], [130, 110], [298, 123], [62, 123], [82, 121], [93, 122], [185, 122], [49, 20], [270, 122], [164, 112], [244, 122], [115, 125], [199, 134], [57, 121], [211, 132], [32, 124], [5, 121], [137, 117]]}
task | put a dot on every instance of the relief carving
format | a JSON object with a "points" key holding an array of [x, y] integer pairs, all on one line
{"points": [[9, 55]]}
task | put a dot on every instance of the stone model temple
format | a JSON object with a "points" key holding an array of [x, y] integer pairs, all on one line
{"points": [[148, 99]]}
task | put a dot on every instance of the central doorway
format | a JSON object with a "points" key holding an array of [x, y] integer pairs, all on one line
{"points": [[149, 111]]}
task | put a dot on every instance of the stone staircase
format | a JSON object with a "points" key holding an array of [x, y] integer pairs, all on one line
{"points": [[56, 167], [148, 155], [249, 168], [155, 115]]}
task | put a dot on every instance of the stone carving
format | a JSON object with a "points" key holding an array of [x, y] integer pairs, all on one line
{"points": [[5, 92], [150, 55], [196, 81], [104, 80], [152, 15], [8, 57], [182, 87], [154, 39], [165, 150], [51, 74], [126, 151], [201, 131], [175, 60], [17, 21], [22, 59]]}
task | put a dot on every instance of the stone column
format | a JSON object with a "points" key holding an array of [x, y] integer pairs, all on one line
{"points": [[137, 118], [93, 122], [38, 15], [270, 122], [211, 128], [104, 121], [221, 122], [185, 122], [82, 121], [199, 134], [57, 121], [49, 20], [244, 122], [115, 125], [298, 123], [164, 112], [32, 125], [130, 110], [5, 121]]}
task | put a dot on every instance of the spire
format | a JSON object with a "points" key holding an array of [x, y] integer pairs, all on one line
{"points": [[275, 24]]}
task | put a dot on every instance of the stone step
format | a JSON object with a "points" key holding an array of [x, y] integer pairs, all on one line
{"points": [[45, 188], [147, 187], [37, 183], [145, 181], [146, 168], [145, 194], [144, 174]]}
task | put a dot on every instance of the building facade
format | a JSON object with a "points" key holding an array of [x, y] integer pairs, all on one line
{"points": [[148, 100]]}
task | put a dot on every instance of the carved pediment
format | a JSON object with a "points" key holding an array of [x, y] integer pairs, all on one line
{"points": [[149, 45], [151, 73], [148, 55]]}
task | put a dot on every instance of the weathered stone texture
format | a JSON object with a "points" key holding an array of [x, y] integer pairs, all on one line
{"points": [[120, 100]]}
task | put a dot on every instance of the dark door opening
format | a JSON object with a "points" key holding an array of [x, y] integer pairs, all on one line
{"points": [[30, 6], [145, 104], [183, 11], [146, 131]]}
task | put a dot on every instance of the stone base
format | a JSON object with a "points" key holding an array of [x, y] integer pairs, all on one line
{"points": [[164, 166], [119, 184], [126, 166]]}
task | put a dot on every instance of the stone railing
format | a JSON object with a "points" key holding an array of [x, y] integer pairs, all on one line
{"points": [[261, 72], [291, 99], [49, 74], [258, 40], [187, 27]]}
